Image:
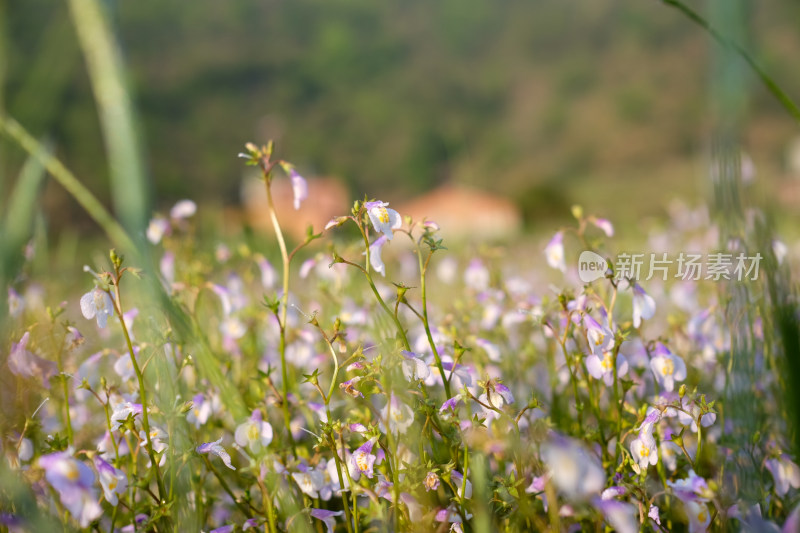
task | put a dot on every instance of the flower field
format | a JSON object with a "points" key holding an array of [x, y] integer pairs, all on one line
{"points": [[371, 379]]}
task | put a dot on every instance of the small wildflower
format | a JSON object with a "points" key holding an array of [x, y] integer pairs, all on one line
{"points": [[784, 472], [97, 303], [254, 434], [554, 252], [183, 209], [644, 451], [604, 368], [299, 187], [399, 414], [414, 367], [216, 449], [74, 482], [156, 229], [575, 472], [349, 387], [362, 459], [644, 307], [328, 517], [24, 363], [384, 219], [667, 367], [375, 260], [113, 480], [431, 481]]}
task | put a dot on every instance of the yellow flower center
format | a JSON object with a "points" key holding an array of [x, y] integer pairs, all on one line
{"points": [[112, 484], [608, 362], [71, 472], [397, 415], [702, 516], [361, 461], [252, 432], [645, 451], [383, 215], [668, 367]]}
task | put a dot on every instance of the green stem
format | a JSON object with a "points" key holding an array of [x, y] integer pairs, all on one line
{"points": [[12, 129], [423, 270], [287, 418], [142, 390]]}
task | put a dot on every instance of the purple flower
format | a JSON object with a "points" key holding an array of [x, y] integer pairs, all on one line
{"points": [[667, 367], [349, 387], [216, 449], [97, 303], [267, 272], [574, 470], [458, 481], [604, 225], [450, 405], [413, 367], [384, 219], [600, 338], [201, 410], [621, 516], [113, 480], [328, 517], [362, 459], [15, 302], [784, 472], [74, 482], [299, 187], [224, 529], [24, 363], [554, 251], [644, 307], [415, 511], [254, 434], [653, 514]]}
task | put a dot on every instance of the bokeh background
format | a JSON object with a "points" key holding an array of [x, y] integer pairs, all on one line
{"points": [[546, 103]]}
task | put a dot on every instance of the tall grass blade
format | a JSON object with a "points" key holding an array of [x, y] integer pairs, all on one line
{"points": [[129, 189]]}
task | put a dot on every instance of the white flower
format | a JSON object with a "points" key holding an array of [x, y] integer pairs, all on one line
{"points": [[299, 187], [414, 367], [644, 307], [156, 230], [375, 260], [113, 480], [183, 209], [644, 452], [667, 368], [384, 219], [554, 251], [97, 303], [254, 434], [574, 470], [399, 414]]}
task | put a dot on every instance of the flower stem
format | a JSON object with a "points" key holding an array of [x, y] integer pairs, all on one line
{"points": [[142, 390], [287, 418]]}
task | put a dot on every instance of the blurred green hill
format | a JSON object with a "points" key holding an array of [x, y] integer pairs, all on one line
{"points": [[548, 102]]}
